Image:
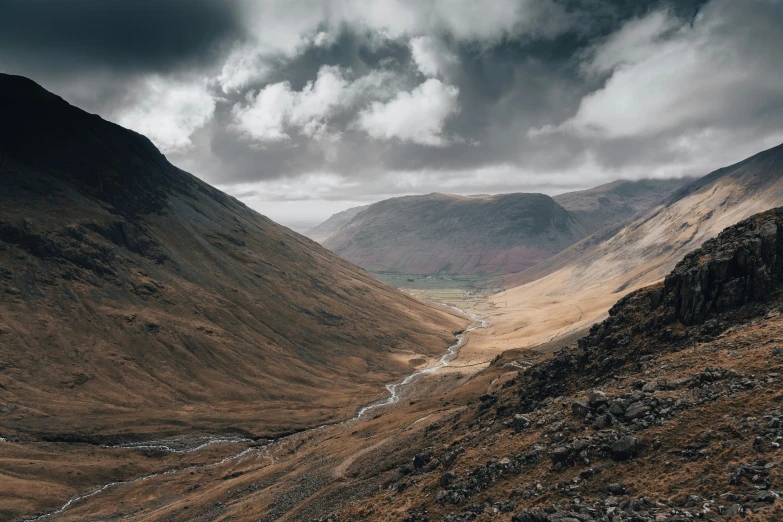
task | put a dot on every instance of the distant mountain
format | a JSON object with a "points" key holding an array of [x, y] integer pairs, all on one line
{"points": [[618, 201], [135, 298], [331, 226], [299, 227], [447, 234], [579, 284]]}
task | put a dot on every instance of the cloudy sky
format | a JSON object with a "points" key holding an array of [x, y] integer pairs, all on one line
{"points": [[302, 108]]}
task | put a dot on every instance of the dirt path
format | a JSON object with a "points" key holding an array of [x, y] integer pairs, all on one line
{"points": [[339, 471]]}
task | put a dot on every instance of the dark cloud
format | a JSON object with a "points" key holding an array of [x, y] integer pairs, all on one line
{"points": [[552, 94], [137, 35]]}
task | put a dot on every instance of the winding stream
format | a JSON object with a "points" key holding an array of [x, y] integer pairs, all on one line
{"points": [[451, 353], [180, 444], [191, 444]]}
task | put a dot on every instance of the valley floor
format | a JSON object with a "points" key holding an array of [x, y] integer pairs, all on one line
{"points": [[158, 479], [452, 448]]}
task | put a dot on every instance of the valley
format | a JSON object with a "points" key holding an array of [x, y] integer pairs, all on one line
{"points": [[536, 434], [169, 354]]}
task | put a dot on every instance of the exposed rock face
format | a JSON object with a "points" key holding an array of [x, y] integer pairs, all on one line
{"points": [[742, 264]]}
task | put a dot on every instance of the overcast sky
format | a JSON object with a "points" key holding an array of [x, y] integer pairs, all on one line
{"points": [[302, 108]]}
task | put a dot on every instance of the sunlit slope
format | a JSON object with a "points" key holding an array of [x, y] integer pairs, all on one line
{"points": [[574, 288]]}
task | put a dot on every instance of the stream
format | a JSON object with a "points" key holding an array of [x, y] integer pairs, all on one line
{"points": [[451, 353], [192, 444]]}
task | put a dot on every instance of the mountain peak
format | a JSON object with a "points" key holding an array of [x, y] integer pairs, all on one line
{"points": [[41, 132]]}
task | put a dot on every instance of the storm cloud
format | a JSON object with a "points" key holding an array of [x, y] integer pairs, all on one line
{"points": [[303, 107]]}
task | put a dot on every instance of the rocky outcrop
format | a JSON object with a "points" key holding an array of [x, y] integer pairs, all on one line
{"points": [[742, 264]]}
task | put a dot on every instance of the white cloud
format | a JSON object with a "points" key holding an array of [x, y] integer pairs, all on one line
{"points": [[668, 77], [281, 29], [245, 65], [276, 109], [636, 41], [416, 117], [322, 39], [168, 112], [431, 56], [264, 117]]}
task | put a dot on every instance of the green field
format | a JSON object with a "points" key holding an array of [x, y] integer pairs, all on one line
{"points": [[420, 282]]}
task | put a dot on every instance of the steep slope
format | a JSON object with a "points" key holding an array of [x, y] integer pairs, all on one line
{"points": [[331, 226], [447, 234], [135, 298], [670, 410], [572, 289], [618, 201]]}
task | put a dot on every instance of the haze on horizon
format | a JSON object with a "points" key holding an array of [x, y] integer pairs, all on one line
{"points": [[302, 108]]}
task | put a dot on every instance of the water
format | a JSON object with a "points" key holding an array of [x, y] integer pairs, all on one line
{"points": [[451, 353], [103, 488], [180, 444], [191, 444]]}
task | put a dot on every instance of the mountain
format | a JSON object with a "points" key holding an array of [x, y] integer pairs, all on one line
{"points": [[331, 226], [136, 299], [618, 201], [300, 227], [667, 410], [578, 285], [448, 234], [409, 224]]}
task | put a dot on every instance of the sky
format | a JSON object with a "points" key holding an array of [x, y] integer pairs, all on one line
{"points": [[302, 108]]}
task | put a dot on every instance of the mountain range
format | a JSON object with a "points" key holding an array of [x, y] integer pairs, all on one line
{"points": [[446, 234], [484, 235], [166, 353]]}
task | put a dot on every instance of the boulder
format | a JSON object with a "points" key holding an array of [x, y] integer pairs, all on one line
{"points": [[579, 409], [561, 454], [624, 448], [447, 478], [422, 459], [604, 421], [527, 515], [617, 407], [637, 410], [597, 399], [520, 422]]}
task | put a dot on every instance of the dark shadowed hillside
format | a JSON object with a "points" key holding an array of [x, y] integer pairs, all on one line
{"points": [[447, 234], [135, 298]]}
